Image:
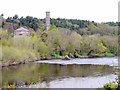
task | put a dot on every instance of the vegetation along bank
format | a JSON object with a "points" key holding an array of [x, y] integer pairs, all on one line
{"points": [[75, 38]]}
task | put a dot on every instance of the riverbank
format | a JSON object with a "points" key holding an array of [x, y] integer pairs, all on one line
{"points": [[55, 44], [55, 59]]}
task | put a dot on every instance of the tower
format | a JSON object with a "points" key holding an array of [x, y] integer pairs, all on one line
{"points": [[47, 20]]}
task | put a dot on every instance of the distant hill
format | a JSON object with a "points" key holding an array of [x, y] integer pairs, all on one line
{"points": [[75, 24], [83, 27], [72, 24]]}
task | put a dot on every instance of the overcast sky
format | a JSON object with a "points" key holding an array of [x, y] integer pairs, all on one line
{"points": [[96, 10]]}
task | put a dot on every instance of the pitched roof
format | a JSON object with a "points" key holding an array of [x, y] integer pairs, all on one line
{"points": [[19, 29]]}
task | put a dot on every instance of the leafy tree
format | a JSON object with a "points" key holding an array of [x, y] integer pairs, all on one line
{"points": [[43, 50], [53, 27]]}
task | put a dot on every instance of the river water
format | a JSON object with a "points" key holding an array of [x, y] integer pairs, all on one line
{"points": [[76, 73], [111, 61]]}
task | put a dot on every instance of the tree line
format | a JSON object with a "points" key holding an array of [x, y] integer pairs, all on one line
{"points": [[83, 27], [28, 21], [58, 41], [55, 44]]}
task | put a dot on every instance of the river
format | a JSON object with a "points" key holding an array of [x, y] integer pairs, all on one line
{"points": [[76, 73]]}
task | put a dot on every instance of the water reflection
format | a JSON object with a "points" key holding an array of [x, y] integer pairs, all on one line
{"points": [[77, 82], [33, 73]]}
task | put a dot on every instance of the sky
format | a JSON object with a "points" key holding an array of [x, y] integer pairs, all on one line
{"points": [[93, 10]]}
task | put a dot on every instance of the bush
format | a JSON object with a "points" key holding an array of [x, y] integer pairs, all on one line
{"points": [[12, 54], [109, 54], [43, 50], [110, 86], [57, 56], [77, 53]]}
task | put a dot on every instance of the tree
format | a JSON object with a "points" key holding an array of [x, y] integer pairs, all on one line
{"points": [[2, 14], [42, 27], [43, 50], [93, 43], [53, 27], [16, 16]]}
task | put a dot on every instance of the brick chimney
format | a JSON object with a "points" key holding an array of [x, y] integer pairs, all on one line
{"points": [[47, 20]]}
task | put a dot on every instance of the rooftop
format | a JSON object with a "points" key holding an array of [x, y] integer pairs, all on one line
{"points": [[23, 29]]}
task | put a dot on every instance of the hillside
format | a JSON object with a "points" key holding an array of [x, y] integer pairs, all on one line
{"points": [[71, 37], [83, 27]]}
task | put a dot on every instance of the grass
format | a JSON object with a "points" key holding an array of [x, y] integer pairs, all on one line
{"points": [[109, 54]]}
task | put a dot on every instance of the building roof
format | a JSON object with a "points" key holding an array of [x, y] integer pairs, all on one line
{"points": [[21, 29]]}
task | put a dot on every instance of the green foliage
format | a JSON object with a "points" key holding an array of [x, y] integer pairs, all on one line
{"points": [[11, 87], [57, 56], [33, 34], [55, 43], [42, 28], [110, 86], [53, 27], [11, 54], [109, 54], [4, 34], [77, 53], [72, 24], [93, 43], [43, 50], [27, 21], [102, 48], [82, 53], [83, 27], [111, 42]]}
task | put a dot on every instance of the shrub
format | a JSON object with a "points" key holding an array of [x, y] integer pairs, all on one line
{"points": [[110, 86], [43, 50], [108, 54], [57, 56], [12, 54]]}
